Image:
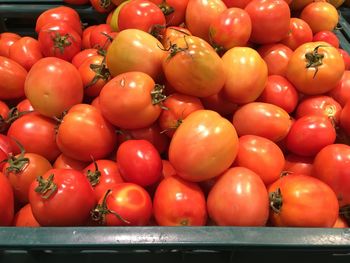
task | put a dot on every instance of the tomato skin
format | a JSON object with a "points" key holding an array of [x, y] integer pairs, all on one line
{"points": [[6, 201], [241, 62], [12, 78], [346, 58], [172, 33], [179, 203], [102, 6], [296, 164], [341, 92], [306, 79], [177, 17], [299, 33], [262, 119], [238, 198], [344, 118], [168, 169], [69, 205], [26, 51], [65, 162], [52, 86], [25, 218], [24, 105], [327, 36], [7, 39], [208, 141], [264, 14], [99, 138], [219, 103], [85, 41], [98, 39], [306, 202], [236, 3], [5, 149], [83, 55]]}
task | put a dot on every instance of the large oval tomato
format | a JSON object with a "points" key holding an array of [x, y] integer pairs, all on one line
{"points": [[99, 138], [53, 86], [172, 33], [238, 198], [7, 39], [302, 201], [5, 149], [299, 33], [315, 68], [178, 202], [236, 3], [6, 201], [208, 141], [341, 92], [25, 218]]}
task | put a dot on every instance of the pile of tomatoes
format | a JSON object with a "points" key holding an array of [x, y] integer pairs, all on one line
{"points": [[177, 113]]}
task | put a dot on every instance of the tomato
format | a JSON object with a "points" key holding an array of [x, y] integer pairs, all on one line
{"points": [[302, 201], [331, 165], [12, 78], [126, 204], [299, 33], [6, 201], [129, 47], [85, 41], [321, 106], [239, 198], [115, 16], [219, 103], [280, 92], [236, 3], [168, 169], [264, 14], [172, 33], [25, 51], [344, 118], [327, 36], [24, 106], [96, 103], [340, 223], [346, 58], [231, 28], [61, 197], [297, 5], [246, 75], [341, 92], [76, 2], [37, 135], [100, 36], [174, 10], [262, 119], [99, 138], [60, 13], [5, 149], [7, 39], [320, 16], [178, 107], [208, 141], [276, 57], [94, 74], [102, 6], [65, 162], [261, 156], [4, 111], [179, 203], [103, 175], [25, 218], [200, 14], [53, 86], [296, 164], [315, 68], [83, 55]]}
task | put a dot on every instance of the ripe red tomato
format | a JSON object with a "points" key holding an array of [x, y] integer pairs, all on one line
{"points": [[79, 58], [296, 164], [65, 162], [4, 111], [341, 92], [299, 33], [327, 36], [179, 203], [264, 14], [61, 197], [6, 201], [85, 41], [219, 103], [101, 36], [126, 204], [302, 201], [345, 119], [99, 138], [236, 3], [25, 51], [172, 33], [5, 149], [174, 10], [346, 58], [238, 198], [12, 78], [208, 141], [53, 86], [25, 218], [24, 106], [7, 39], [102, 6], [262, 119], [168, 169]]}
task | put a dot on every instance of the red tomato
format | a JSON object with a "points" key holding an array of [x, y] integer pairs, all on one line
{"points": [[99, 138], [200, 14], [208, 141], [24, 106], [346, 58], [297, 5], [25, 51], [100, 36], [327, 36], [102, 6], [6, 41], [61, 13], [4, 111], [85, 41], [231, 28], [280, 92], [37, 134], [59, 191], [53, 86], [168, 169], [239, 198], [172, 33], [179, 203], [261, 156], [345, 118], [83, 55], [139, 162], [299, 33], [276, 57], [302, 201], [331, 165], [236, 3], [12, 78], [341, 92], [262, 119], [126, 204], [5, 149], [25, 218], [219, 103], [6, 201], [96, 103], [264, 15], [65, 162], [296, 164], [174, 10]]}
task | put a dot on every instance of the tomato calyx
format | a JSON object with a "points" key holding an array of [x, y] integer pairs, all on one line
{"points": [[94, 176], [157, 31], [12, 115], [46, 187], [314, 59], [166, 8], [158, 96], [61, 42], [101, 72], [276, 201], [173, 49], [101, 210], [17, 164]]}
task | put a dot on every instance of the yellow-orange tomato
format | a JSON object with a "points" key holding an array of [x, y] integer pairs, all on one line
{"points": [[203, 146], [246, 74], [172, 33], [315, 68]]}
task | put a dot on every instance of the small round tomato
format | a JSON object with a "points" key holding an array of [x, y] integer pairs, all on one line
{"points": [[24, 106], [178, 202], [341, 92], [79, 58], [6, 41], [65, 162], [102, 6], [344, 118], [296, 164], [25, 218], [85, 41], [101, 36], [346, 58], [327, 36], [238, 198], [6, 201], [299, 33], [219, 103], [168, 169], [236, 3], [302, 201]]}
